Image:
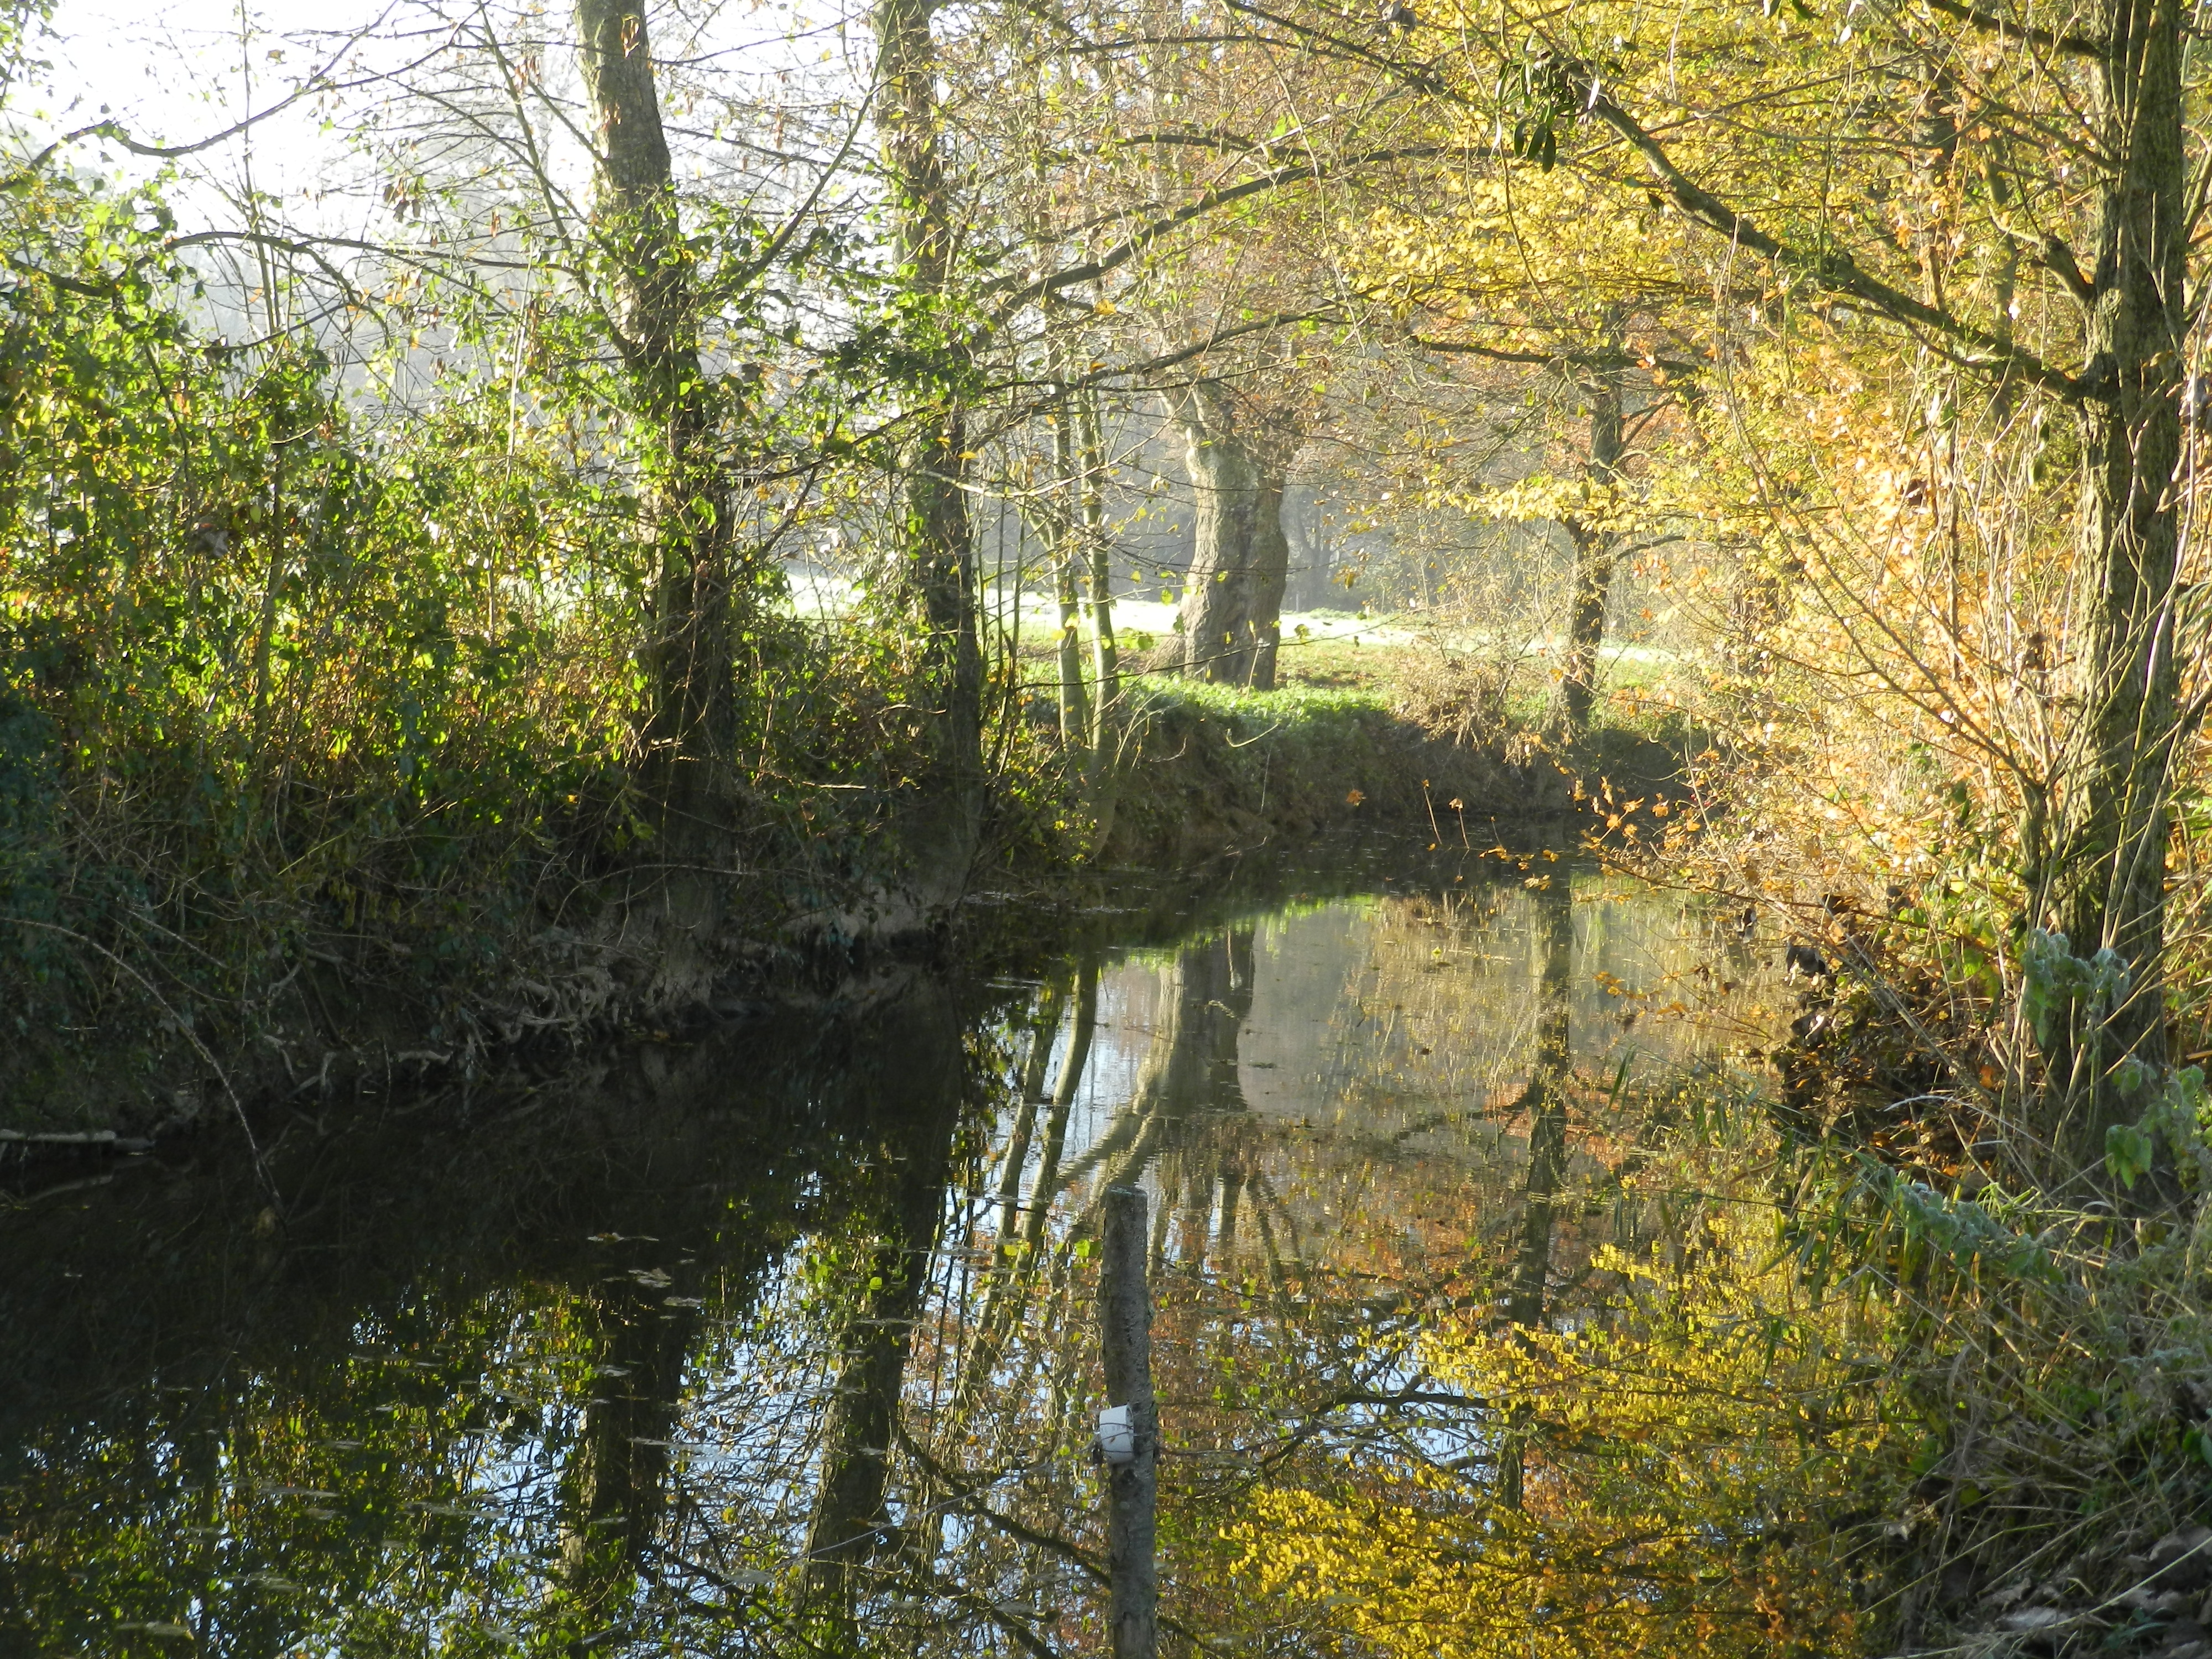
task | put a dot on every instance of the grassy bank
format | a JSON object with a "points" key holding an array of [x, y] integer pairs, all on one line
{"points": [[1361, 734]]}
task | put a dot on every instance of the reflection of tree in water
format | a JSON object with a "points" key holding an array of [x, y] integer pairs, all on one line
{"points": [[614, 1490], [905, 1084], [869, 1437], [451, 1383], [918, 1092], [1550, 1069], [1030, 1561], [1019, 1252], [1185, 1086]]}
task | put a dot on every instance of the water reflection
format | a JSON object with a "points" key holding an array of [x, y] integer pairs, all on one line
{"points": [[785, 1340]]}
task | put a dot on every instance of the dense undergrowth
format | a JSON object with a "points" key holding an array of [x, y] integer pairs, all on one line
{"points": [[2037, 1359], [318, 728]]}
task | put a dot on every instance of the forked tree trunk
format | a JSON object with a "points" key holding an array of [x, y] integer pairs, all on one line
{"points": [[934, 539], [2106, 872], [1233, 601]]}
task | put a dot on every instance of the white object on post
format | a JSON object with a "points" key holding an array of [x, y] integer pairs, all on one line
{"points": [[1117, 1437]]}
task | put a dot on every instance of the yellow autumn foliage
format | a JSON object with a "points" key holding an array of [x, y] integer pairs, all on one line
{"points": [[1527, 250], [1692, 1446]]}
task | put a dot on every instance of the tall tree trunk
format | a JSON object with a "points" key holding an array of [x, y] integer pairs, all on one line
{"points": [[935, 538], [1104, 780], [1233, 601], [688, 656], [2106, 878], [1270, 565], [1305, 534], [1596, 545], [1105, 655]]}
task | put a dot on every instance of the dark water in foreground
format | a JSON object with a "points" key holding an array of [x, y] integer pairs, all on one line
{"points": [[784, 1339]]}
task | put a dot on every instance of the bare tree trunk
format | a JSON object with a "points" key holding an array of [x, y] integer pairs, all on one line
{"points": [[2105, 880], [1596, 549], [1233, 599], [1105, 655], [1125, 1318], [935, 538], [1311, 555], [1270, 568]]}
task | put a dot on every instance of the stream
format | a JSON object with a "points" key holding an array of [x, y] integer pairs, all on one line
{"points": [[783, 1338]]}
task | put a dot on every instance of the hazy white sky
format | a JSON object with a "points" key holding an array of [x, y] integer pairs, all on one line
{"points": [[178, 71]]}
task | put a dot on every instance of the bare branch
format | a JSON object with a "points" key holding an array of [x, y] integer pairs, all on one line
{"points": [[2080, 45]]}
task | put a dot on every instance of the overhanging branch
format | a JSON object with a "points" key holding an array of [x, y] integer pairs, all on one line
{"points": [[1835, 271], [1013, 299]]}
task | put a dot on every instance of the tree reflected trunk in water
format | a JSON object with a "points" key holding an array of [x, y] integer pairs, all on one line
{"points": [[1547, 1102], [615, 1488], [1044, 1027], [1072, 1066], [1022, 1252], [918, 1065], [1190, 1068]]}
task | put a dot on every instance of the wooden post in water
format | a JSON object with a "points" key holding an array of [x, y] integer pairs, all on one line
{"points": [[1125, 1319]]}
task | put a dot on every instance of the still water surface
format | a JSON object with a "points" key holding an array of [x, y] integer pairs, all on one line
{"points": [[784, 1339]]}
